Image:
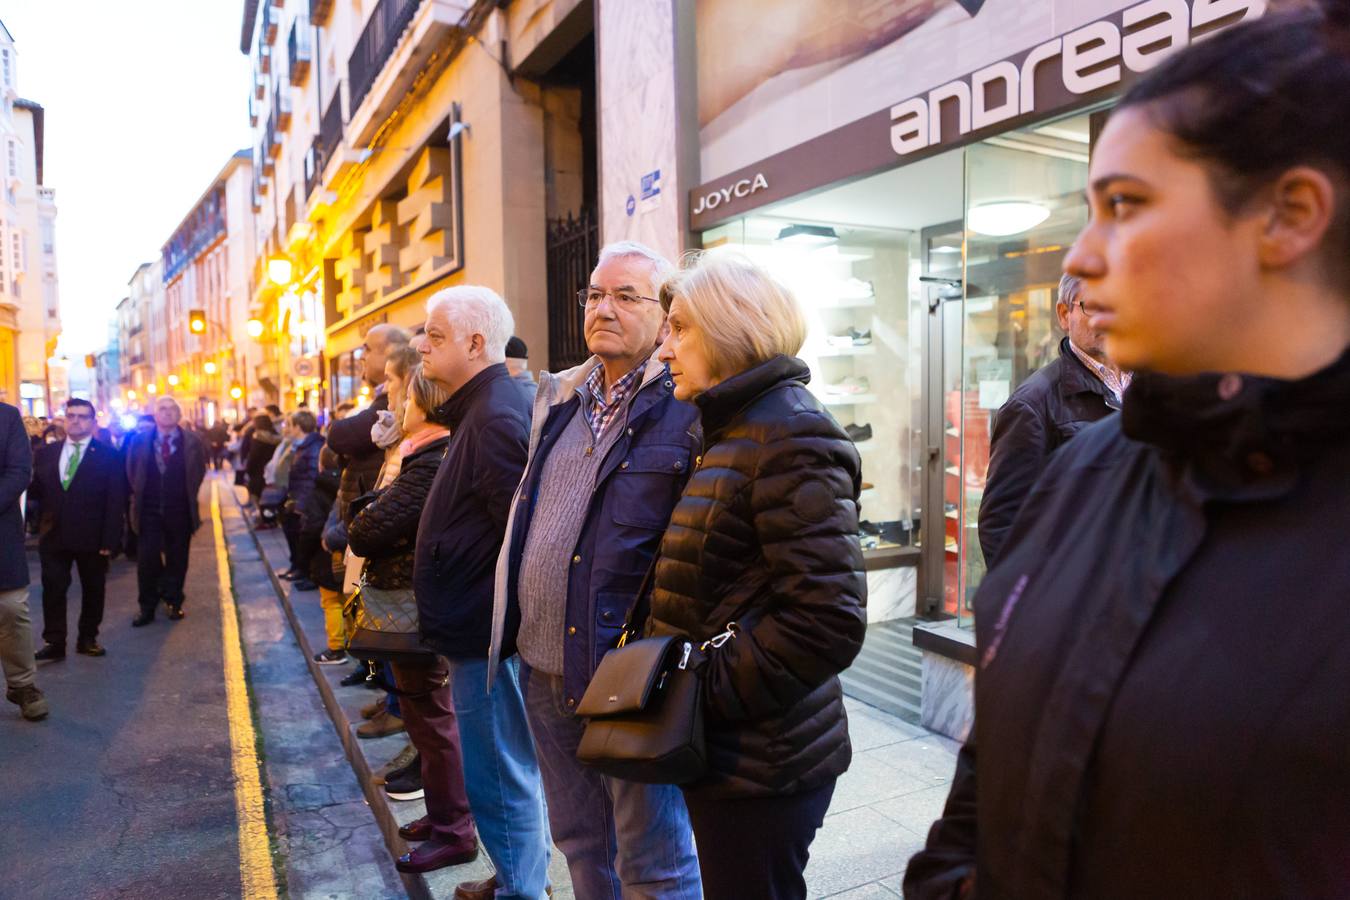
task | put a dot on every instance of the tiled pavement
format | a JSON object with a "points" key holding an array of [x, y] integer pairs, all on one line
{"points": [[880, 813]]}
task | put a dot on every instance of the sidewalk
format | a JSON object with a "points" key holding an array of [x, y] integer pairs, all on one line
{"points": [[880, 814]]}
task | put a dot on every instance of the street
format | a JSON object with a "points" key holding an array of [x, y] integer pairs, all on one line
{"points": [[133, 787]]}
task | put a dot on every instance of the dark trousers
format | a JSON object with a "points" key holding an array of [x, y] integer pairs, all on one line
{"points": [[429, 715], [93, 569], [756, 848], [290, 527], [162, 558]]}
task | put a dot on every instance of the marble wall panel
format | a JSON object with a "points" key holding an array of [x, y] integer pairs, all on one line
{"points": [[948, 705]]}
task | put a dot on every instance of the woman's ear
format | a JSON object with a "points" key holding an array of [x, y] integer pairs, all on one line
{"points": [[1302, 206]]}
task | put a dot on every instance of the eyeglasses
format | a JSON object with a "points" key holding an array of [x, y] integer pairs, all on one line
{"points": [[589, 298]]}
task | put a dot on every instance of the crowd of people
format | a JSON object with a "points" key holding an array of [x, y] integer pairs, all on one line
{"points": [[1153, 497]]}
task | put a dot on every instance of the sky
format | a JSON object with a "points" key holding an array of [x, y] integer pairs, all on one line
{"points": [[145, 102]]}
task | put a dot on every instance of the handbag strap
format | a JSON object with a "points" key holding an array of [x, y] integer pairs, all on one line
{"points": [[641, 610]]}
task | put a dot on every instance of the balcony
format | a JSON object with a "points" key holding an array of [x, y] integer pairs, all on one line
{"points": [[271, 22], [299, 51], [259, 86], [281, 109], [271, 143], [399, 40], [265, 60], [319, 11], [252, 111]]}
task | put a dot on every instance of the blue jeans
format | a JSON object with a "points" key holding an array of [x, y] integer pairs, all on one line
{"points": [[501, 775], [621, 839]]}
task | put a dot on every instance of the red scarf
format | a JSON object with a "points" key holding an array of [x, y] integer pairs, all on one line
{"points": [[428, 434]]}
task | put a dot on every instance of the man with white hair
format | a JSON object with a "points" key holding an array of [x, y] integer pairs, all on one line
{"points": [[610, 452], [458, 539], [165, 468]]}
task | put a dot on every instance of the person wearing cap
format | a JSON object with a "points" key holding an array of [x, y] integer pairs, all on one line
{"points": [[518, 363]]}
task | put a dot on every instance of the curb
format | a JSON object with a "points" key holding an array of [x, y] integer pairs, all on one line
{"points": [[376, 799]]}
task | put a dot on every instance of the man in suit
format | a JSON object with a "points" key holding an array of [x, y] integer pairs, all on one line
{"points": [[165, 468], [80, 486], [16, 629]]}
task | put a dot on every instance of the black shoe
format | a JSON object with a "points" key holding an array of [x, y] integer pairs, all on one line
{"points": [[355, 677], [859, 433], [407, 786], [90, 648], [412, 768], [145, 618], [176, 613], [304, 584], [289, 575], [331, 657], [51, 651]]}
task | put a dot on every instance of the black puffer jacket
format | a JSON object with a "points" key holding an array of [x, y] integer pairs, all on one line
{"points": [[384, 529], [766, 533]]}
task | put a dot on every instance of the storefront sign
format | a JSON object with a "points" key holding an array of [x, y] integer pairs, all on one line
{"points": [[1090, 59], [741, 187], [1086, 66]]}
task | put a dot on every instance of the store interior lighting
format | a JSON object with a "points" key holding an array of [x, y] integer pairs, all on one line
{"points": [[807, 235], [1006, 217]]}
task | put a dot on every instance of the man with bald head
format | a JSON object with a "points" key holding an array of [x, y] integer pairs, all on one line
{"points": [[350, 437], [165, 468]]}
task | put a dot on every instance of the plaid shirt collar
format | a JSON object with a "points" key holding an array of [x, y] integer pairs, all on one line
{"points": [[602, 414], [1115, 383]]}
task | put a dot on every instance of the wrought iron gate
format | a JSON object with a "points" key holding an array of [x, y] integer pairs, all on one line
{"points": [[573, 244]]}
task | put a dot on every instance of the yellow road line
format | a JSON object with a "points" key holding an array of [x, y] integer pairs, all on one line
{"points": [[255, 858]]}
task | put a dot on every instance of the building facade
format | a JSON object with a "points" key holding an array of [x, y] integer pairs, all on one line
{"points": [[29, 298], [210, 364]]}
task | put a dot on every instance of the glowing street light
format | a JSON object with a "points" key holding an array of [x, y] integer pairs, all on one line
{"points": [[173, 380], [279, 271], [236, 392], [254, 327], [209, 367], [131, 394], [152, 388]]}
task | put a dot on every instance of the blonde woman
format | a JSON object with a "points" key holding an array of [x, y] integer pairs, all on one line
{"points": [[763, 544]]}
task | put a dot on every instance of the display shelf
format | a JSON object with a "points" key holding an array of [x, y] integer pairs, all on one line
{"points": [[849, 303], [847, 399], [858, 350]]}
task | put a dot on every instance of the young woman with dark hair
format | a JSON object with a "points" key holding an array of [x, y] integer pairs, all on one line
{"points": [[1164, 644]]}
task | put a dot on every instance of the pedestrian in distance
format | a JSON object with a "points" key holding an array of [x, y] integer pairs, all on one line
{"points": [[518, 362], [1059, 400], [1161, 701], [262, 443], [16, 628], [165, 469], [81, 487], [610, 451], [459, 537], [762, 549], [384, 532], [302, 532]]}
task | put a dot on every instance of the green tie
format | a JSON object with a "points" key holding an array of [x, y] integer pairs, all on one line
{"points": [[71, 467]]}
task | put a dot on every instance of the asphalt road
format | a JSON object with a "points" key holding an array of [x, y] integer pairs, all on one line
{"points": [[126, 790]]}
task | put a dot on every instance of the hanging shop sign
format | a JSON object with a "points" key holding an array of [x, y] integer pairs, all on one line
{"points": [[1078, 69]]}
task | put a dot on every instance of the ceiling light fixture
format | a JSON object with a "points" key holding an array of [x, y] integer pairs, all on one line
{"points": [[1006, 217], [807, 235]]}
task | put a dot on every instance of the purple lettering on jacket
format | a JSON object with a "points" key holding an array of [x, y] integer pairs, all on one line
{"points": [[1001, 626]]}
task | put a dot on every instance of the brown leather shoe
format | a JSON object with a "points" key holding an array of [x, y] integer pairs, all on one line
{"points": [[434, 855], [485, 889], [371, 710], [90, 648], [416, 830], [383, 725]]}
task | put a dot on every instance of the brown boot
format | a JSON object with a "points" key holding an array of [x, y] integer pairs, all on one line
{"points": [[32, 705], [382, 725], [485, 889]]}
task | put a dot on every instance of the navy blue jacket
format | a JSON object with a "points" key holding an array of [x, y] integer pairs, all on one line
{"points": [[16, 467], [304, 472], [460, 532], [637, 486]]}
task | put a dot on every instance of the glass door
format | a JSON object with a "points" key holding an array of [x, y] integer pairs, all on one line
{"points": [[1024, 207]]}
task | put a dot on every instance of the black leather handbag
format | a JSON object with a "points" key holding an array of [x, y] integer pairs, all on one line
{"points": [[644, 705]]}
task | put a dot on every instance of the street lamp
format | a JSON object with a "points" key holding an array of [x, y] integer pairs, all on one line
{"points": [[131, 394], [236, 392], [173, 380], [209, 367], [279, 271], [254, 327], [152, 388]]}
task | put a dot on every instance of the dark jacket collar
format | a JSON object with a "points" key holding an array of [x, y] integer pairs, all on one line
{"points": [[309, 440], [1241, 426], [1076, 378], [437, 446], [720, 404], [461, 401]]}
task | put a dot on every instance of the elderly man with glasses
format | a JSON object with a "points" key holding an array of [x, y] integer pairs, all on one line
{"points": [[610, 452], [1051, 406]]}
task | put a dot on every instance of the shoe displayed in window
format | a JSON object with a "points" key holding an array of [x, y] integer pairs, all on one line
{"points": [[856, 289], [853, 384], [850, 338], [858, 433]]}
